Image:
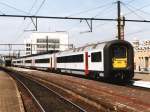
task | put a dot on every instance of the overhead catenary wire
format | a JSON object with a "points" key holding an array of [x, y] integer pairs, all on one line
{"points": [[74, 26], [104, 7], [137, 9], [19, 10], [129, 2], [21, 34], [33, 14], [142, 11], [2, 12], [37, 11], [137, 32], [133, 12], [40, 7], [91, 9], [86, 11], [75, 18], [130, 20], [99, 25], [29, 12], [102, 24], [104, 11], [70, 15], [34, 3]]}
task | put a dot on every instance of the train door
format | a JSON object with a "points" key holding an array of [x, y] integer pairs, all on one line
{"points": [[51, 63], [33, 62], [86, 64], [54, 61]]}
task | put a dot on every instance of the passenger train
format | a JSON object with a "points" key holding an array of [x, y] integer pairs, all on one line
{"points": [[111, 60]]}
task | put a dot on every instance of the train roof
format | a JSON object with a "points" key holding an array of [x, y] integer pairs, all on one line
{"points": [[42, 53], [88, 47]]}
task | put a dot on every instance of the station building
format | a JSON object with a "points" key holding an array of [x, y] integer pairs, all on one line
{"points": [[46, 41], [142, 55]]}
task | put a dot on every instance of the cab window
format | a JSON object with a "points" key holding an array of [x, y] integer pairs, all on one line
{"points": [[119, 52]]}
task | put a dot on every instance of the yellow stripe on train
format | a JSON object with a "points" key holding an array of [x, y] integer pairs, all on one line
{"points": [[119, 63]]}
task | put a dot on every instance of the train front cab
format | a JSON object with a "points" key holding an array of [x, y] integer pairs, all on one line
{"points": [[118, 60]]}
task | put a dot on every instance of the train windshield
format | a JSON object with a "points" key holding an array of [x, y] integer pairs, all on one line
{"points": [[119, 52]]}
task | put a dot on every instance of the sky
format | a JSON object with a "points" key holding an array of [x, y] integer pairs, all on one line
{"points": [[14, 30]]}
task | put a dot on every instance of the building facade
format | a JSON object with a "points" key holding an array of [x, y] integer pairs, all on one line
{"points": [[142, 55], [46, 41]]}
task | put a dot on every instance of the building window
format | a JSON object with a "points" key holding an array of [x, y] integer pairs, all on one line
{"points": [[96, 57], [41, 46], [49, 41], [53, 46], [28, 49], [41, 40], [28, 45], [49, 46], [53, 40]]}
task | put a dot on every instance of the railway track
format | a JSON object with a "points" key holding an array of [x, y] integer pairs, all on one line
{"points": [[134, 84], [47, 99], [137, 84], [96, 93]]}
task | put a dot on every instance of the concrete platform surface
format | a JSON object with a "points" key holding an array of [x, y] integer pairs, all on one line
{"points": [[142, 77], [10, 100]]}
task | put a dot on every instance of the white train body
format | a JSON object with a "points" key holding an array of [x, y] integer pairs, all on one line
{"points": [[85, 65], [91, 60]]}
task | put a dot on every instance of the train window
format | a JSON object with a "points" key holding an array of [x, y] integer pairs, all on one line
{"points": [[59, 60], [119, 52], [28, 61], [18, 61], [77, 58], [46, 60], [96, 57], [14, 62], [70, 59]]}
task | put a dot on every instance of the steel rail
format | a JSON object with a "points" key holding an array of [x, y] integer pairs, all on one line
{"points": [[60, 96], [75, 105], [34, 98]]}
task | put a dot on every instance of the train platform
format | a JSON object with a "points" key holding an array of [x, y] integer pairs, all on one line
{"points": [[142, 76], [10, 99]]}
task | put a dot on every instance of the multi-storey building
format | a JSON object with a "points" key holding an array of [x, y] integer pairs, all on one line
{"points": [[50, 41], [142, 55]]}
